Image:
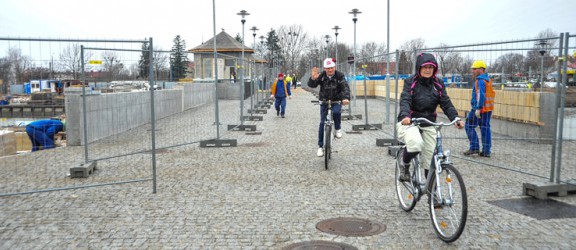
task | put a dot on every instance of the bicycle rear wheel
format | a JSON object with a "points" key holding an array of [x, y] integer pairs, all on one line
{"points": [[449, 213], [327, 145], [405, 191]]}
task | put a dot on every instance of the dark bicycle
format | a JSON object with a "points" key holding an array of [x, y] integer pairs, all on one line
{"points": [[444, 186], [329, 133]]}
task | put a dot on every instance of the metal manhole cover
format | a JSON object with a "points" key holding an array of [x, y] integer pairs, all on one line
{"points": [[319, 245], [351, 227]]}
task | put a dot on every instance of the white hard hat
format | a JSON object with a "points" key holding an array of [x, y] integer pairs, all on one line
{"points": [[329, 63]]}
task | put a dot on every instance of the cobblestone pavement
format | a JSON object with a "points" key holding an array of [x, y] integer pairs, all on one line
{"points": [[267, 193]]}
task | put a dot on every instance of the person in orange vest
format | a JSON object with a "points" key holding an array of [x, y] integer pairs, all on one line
{"points": [[482, 105]]}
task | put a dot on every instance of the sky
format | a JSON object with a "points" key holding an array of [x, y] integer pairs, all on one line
{"points": [[453, 22]]}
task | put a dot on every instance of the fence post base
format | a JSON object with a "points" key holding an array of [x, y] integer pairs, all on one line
{"points": [[84, 170], [543, 190], [218, 143]]}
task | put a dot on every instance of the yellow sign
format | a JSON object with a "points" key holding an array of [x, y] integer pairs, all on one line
{"points": [[95, 62]]}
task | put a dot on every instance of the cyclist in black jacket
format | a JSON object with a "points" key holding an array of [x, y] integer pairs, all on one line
{"points": [[334, 87], [422, 94]]}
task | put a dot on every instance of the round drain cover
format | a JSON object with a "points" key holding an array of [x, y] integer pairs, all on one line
{"points": [[351, 227], [319, 245]]}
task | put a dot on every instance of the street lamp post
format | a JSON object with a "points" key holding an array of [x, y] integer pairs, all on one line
{"points": [[327, 37], [336, 28], [242, 13], [388, 64], [355, 13], [264, 69], [543, 43], [253, 29]]}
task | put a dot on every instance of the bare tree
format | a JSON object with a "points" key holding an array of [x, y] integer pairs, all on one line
{"points": [[462, 65], [292, 42], [450, 62], [19, 65], [71, 61], [160, 61], [112, 64], [511, 63], [372, 54], [412, 48], [442, 56], [4, 74]]}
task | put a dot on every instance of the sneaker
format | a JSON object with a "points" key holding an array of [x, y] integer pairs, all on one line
{"points": [[483, 154], [339, 133], [405, 171], [471, 152], [320, 152]]}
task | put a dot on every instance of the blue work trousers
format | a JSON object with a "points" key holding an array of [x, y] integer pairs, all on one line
{"points": [[40, 138], [280, 104], [472, 121], [336, 117]]}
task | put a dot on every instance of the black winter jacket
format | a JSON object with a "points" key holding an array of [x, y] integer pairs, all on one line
{"points": [[424, 98], [334, 89]]}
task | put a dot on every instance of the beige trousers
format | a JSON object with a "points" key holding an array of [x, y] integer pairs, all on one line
{"points": [[415, 141]]}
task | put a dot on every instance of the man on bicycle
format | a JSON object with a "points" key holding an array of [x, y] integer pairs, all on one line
{"points": [[422, 94], [333, 87]]}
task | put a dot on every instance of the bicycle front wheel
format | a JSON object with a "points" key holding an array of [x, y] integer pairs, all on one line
{"points": [[405, 190], [327, 145], [448, 204]]}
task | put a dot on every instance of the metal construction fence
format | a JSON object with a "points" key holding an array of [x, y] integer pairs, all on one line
{"points": [[120, 119], [534, 98]]}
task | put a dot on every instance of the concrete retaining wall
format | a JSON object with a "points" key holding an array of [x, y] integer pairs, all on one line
{"points": [[110, 114]]}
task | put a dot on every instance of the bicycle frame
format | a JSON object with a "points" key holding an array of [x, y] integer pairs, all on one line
{"points": [[448, 210], [438, 158], [328, 132]]}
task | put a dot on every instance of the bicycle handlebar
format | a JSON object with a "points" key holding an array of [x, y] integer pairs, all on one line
{"points": [[326, 102], [421, 120]]}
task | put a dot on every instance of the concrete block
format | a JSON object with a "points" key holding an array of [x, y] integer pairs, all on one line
{"points": [[367, 127], [218, 143], [384, 142], [83, 171], [543, 190]]}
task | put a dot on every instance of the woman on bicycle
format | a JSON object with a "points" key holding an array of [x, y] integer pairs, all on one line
{"points": [[333, 87], [422, 94]]}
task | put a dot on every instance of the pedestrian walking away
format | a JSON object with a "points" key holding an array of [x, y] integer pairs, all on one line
{"points": [[280, 91], [482, 102], [333, 87], [42, 132], [422, 94], [288, 79]]}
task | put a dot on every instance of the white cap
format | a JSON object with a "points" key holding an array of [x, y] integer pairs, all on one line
{"points": [[329, 63]]}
